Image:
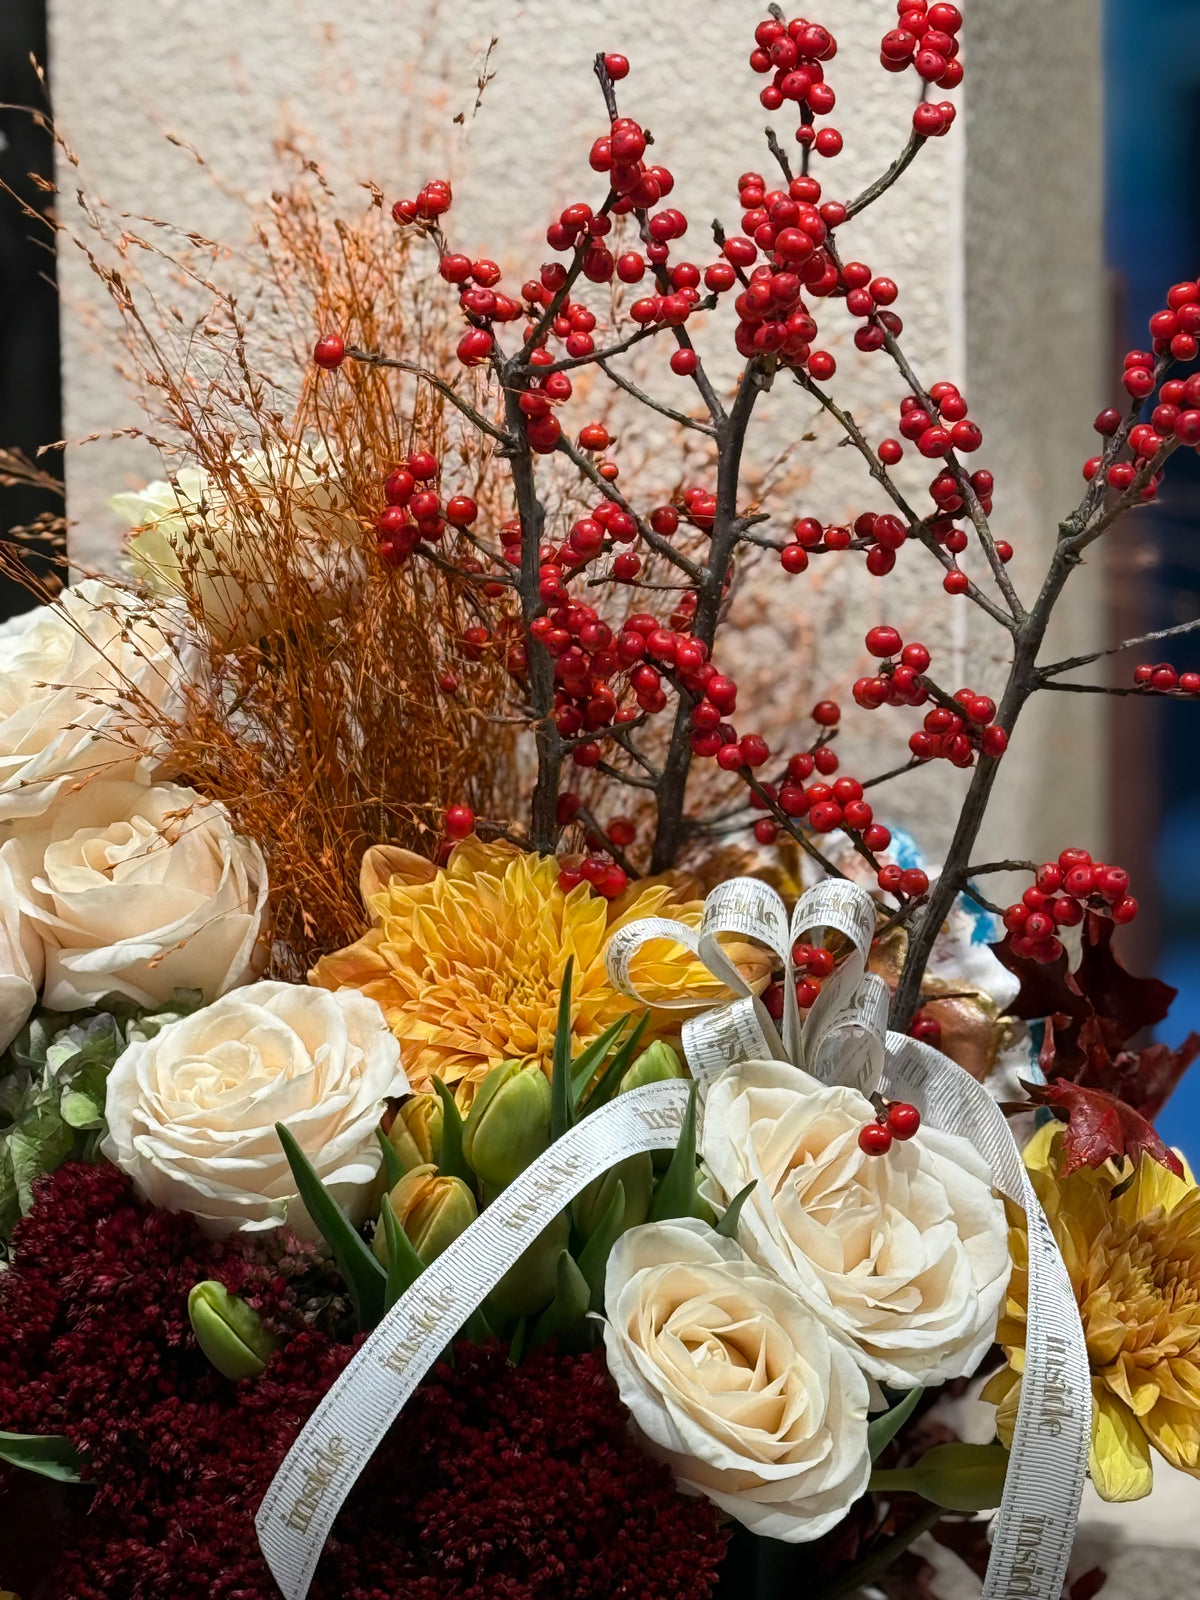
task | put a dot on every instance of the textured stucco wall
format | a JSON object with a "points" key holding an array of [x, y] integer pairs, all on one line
{"points": [[975, 236]]}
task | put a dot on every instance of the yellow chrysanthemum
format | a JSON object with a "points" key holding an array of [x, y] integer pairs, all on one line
{"points": [[467, 962], [1131, 1243]]}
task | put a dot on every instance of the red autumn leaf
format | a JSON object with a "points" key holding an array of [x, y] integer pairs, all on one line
{"points": [[1100, 1127]]}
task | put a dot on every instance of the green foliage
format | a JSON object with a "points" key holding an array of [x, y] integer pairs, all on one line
{"points": [[676, 1193], [452, 1163], [52, 1086], [50, 1454], [404, 1265], [572, 1296], [957, 1477], [885, 1427], [393, 1167], [365, 1277], [562, 1109], [728, 1225]]}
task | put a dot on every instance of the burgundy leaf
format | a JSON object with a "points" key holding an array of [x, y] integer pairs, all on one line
{"points": [[1047, 988], [1124, 1004], [1100, 1127], [1144, 1079], [1088, 1585]]}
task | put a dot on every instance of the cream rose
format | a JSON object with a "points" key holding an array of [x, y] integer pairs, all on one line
{"points": [[904, 1256], [132, 890], [188, 541], [192, 1112], [73, 677], [734, 1382]]}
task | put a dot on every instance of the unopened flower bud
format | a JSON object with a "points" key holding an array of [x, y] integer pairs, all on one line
{"points": [[433, 1210], [229, 1331], [416, 1133], [509, 1122], [636, 1173], [656, 1064]]}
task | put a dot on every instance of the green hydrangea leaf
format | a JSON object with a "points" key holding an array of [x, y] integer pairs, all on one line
{"points": [[40, 1143]]}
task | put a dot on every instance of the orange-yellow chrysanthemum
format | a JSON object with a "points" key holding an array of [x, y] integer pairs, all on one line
{"points": [[467, 962], [1131, 1243]]}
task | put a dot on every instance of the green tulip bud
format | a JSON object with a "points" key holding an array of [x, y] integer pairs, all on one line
{"points": [[529, 1285], [433, 1210], [656, 1064], [416, 1133], [636, 1173], [958, 1477], [229, 1331], [508, 1125]]}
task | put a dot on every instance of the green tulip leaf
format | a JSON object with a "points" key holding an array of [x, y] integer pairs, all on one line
{"points": [[451, 1161], [516, 1345], [572, 1297], [609, 1082], [393, 1167], [561, 1104], [583, 1068], [50, 1454], [593, 1258], [676, 1193], [885, 1427], [404, 1264], [727, 1227], [365, 1278]]}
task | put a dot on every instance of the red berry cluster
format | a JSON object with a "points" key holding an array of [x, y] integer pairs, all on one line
{"points": [[1060, 894], [790, 230], [897, 1120], [414, 511], [1175, 335], [813, 965], [793, 53], [952, 734], [432, 202], [605, 876], [869, 297], [597, 868], [1163, 679], [926, 39]]}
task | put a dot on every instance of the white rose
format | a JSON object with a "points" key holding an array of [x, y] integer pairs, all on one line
{"points": [[192, 1111], [125, 889], [904, 1256], [188, 541], [21, 968], [734, 1382], [73, 677]]}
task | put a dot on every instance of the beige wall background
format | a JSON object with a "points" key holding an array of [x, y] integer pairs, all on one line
{"points": [[977, 235]]}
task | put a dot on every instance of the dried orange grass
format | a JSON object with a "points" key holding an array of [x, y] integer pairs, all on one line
{"points": [[328, 730]]}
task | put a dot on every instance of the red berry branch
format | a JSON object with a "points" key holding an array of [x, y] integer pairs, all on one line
{"points": [[628, 692]]}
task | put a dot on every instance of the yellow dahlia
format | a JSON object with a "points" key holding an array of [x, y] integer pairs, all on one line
{"points": [[467, 961], [1131, 1243]]}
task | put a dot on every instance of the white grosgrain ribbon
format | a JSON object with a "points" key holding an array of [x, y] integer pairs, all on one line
{"points": [[844, 1040]]}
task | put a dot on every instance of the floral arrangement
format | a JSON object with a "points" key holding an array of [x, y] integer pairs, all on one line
{"points": [[417, 994]]}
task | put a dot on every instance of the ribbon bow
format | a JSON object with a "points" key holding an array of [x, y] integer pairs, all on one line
{"points": [[842, 1039]]}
